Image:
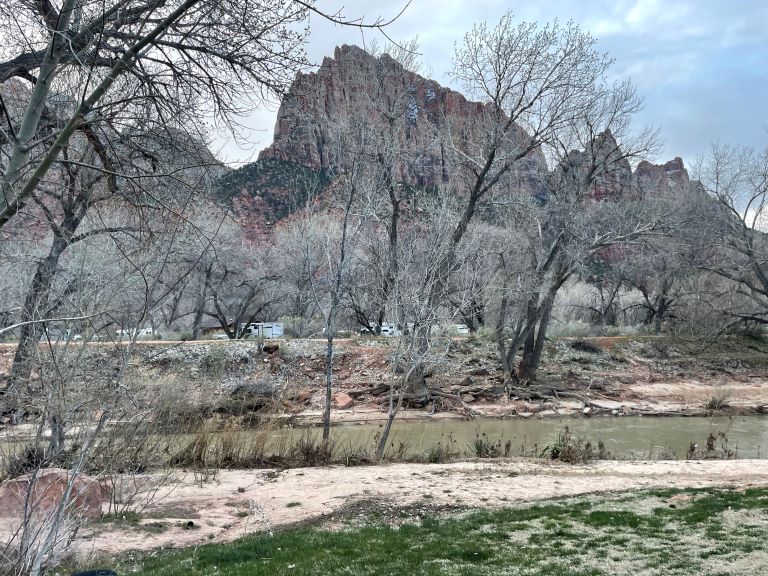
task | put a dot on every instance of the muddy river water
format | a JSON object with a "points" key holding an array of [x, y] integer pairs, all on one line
{"points": [[629, 437], [626, 437]]}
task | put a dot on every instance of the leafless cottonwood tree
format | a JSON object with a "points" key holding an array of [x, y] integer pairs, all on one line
{"points": [[572, 227], [336, 254], [532, 81], [226, 275], [388, 148], [546, 95], [160, 171], [425, 329], [658, 271], [733, 244]]}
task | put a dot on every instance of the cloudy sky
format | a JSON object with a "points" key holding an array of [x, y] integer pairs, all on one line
{"points": [[700, 65]]}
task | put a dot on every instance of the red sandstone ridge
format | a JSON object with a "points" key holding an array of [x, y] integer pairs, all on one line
{"points": [[426, 130], [355, 88]]}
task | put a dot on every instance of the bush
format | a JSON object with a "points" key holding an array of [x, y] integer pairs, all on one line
{"points": [[719, 400], [572, 450], [482, 447], [215, 361], [26, 460], [441, 452]]}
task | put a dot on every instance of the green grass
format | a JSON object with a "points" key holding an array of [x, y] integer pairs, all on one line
{"points": [[714, 532]]}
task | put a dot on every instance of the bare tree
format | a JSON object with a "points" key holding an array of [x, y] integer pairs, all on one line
{"points": [[425, 333], [535, 83], [547, 95], [564, 229], [732, 242], [81, 192], [325, 243], [182, 58]]}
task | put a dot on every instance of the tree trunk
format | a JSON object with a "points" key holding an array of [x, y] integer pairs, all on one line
{"points": [[473, 316], [11, 199], [328, 383], [200, 308], [394, 408], [532, 315], [532, 357], [660, 312], [35, 309], [56, 443], [500, 333], [524, 368]]}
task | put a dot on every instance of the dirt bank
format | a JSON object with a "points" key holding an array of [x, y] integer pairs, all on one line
{"points": [[617, 376], [234, 503]]}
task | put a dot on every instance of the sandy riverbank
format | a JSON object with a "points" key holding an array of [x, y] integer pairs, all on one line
{"points": [[233, 503]]}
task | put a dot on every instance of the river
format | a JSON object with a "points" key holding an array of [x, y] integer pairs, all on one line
{"points": [[623, 437]]}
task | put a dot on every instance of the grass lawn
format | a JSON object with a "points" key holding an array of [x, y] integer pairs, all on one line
{"points": [[691, 532]]}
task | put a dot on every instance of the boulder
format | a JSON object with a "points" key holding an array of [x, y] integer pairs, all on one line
{"points": [[47, 491], [343, 401]]}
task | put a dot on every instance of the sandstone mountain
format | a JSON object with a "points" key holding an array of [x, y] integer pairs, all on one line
{"points": [[406, 112], [355, 88]]}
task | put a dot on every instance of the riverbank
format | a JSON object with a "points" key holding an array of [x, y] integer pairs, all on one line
{"points": [[617, 376], [670, 532], [191, 509]]}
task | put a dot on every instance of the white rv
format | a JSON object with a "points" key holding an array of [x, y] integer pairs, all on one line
{"points": [[135, 333], [264, 330], [389, 330], [462, 329], [386, 330]]}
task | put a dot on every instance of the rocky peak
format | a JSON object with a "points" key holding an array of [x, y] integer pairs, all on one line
{"points": [[658, 179], [615, 176], [355, 88], [602, 162]]}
